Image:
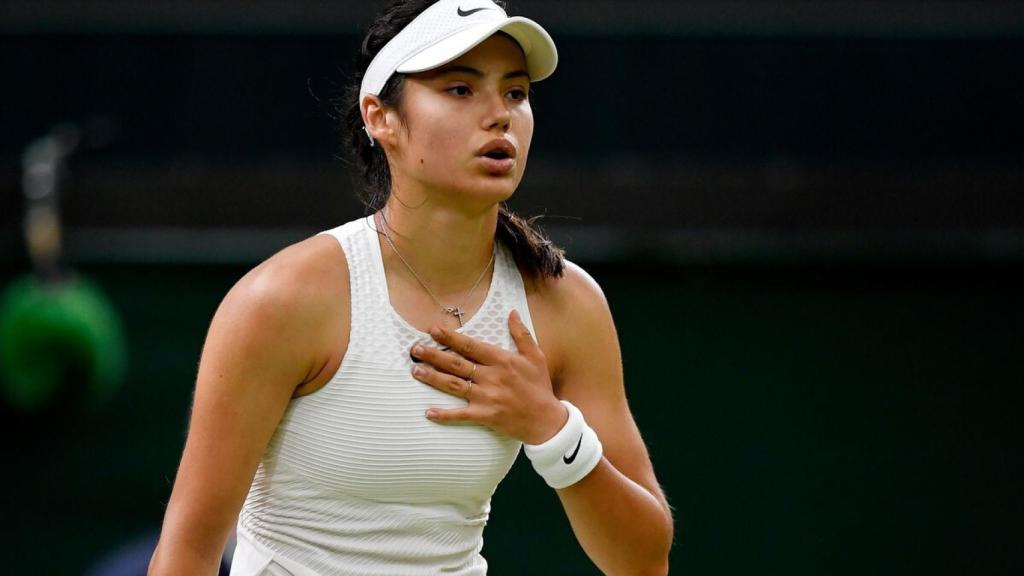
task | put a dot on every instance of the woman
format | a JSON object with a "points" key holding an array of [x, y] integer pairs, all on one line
{"points": [[362, 392]]}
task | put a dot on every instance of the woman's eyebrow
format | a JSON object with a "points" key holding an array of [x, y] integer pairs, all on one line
{"points": [[517, 74], [476, 73]]}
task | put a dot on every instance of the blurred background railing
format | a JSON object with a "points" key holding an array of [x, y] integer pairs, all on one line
{"points": [[808, 218]]}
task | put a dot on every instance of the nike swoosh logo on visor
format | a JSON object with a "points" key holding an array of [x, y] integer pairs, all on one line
{"points": [[465, 13]]}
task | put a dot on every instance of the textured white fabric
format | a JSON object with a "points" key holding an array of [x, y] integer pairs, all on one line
{"points": [[569, 455], [356, 480], [450, 28]]}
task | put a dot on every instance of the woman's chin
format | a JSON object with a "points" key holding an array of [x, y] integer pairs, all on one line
{"points": [[489, 189]]}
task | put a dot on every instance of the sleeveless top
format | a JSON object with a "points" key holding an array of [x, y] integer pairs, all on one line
{"points": [[355, 479]]}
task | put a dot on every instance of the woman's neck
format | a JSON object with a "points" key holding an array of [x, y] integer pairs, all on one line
{"points": [[448, 248]]}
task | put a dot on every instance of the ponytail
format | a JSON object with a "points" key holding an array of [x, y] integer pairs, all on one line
{"points": [[532, 250]]}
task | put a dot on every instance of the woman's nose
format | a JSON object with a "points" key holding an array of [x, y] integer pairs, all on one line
{"points": [[498, 114]]}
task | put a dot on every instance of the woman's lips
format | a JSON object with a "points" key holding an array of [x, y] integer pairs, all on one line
{"points": [[496, 166], [498, 156], [501, 146]]}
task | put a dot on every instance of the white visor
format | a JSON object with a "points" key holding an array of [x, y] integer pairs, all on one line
{"points": [[449, 29]]}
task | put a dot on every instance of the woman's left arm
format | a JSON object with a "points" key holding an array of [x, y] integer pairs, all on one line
{"points": [[617, 511]]}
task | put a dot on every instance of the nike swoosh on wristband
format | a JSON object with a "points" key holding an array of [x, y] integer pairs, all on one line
{"points": [[468, 12], [570, 458]]}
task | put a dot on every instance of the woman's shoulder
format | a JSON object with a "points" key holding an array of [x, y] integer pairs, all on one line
{"points": [[575, 292], [570, 316], [295, 292], [285, 320], [299, 275]]}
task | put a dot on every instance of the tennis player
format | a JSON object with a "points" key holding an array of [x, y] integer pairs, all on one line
{"points": [[362, 393]]}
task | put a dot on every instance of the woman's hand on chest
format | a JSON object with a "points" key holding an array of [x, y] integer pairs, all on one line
{"points": [[508, 391]]}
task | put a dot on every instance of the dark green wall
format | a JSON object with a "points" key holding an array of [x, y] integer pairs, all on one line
{"points": [[804, 419]]}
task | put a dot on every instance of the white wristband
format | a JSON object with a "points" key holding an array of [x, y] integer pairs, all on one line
{"points": [[569, 455]]}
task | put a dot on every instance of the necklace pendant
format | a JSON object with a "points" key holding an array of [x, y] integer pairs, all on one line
{"points": [[455, 311]]}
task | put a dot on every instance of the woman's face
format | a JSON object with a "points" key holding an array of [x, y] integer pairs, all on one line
{"points": [[457, 115]]}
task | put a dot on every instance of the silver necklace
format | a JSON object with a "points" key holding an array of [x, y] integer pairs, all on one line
{"points": [[456, 311]]}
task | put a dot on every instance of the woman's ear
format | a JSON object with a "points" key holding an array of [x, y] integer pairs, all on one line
{"points": [[375, 119]]}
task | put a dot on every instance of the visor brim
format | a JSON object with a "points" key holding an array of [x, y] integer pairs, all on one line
{"points": [[538, 47]]}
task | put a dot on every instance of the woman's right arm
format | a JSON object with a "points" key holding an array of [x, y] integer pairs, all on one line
{"points": [[266, 339]]}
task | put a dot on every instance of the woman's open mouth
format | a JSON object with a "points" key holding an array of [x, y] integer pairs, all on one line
{"points": [[498, 156]]}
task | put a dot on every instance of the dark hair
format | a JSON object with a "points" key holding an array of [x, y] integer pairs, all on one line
{"points": [[533, 252]]}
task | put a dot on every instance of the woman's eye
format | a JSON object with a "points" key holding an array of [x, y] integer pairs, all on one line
{"points": [[459, 90], [518, 94]]}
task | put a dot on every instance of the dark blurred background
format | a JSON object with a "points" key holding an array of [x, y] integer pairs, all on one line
{"points": [[807, 218]]}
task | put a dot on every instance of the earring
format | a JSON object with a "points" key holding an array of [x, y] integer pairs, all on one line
{"points": [[367, 130]]}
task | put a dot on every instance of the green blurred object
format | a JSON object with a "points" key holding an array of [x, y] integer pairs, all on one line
{"points": [[59, 342]]}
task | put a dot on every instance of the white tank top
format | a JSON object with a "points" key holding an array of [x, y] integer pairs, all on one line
{"points": [[356, 480]]}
